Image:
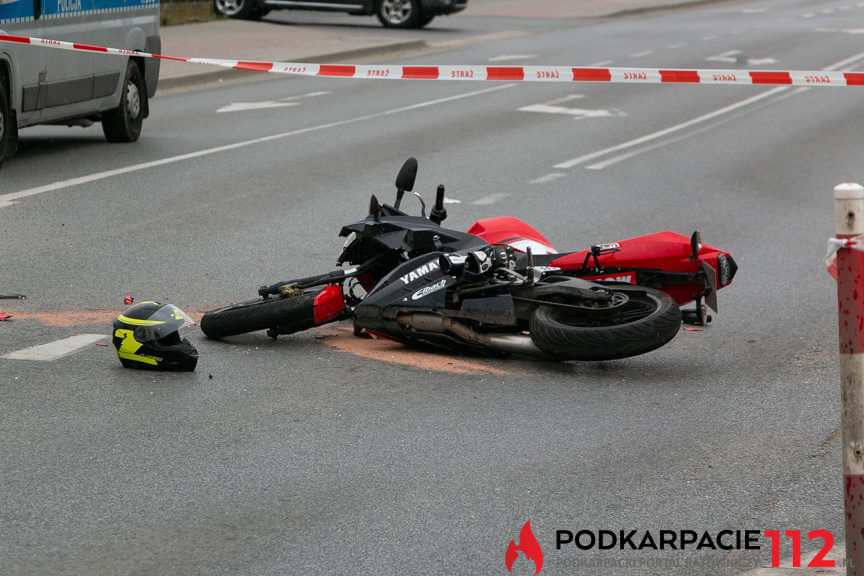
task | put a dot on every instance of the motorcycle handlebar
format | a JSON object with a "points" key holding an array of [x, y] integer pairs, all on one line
{"points": [[438, 213], [439, 198]]}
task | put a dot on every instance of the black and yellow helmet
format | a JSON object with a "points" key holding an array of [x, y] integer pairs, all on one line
{"points": [[147, 336]]}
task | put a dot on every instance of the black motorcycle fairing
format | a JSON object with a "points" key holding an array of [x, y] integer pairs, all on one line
{"points": [[411, 235], [417, 283]]}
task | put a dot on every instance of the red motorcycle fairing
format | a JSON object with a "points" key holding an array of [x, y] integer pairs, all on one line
{"points": [[662, 260], [667, 251], [512, 232]]}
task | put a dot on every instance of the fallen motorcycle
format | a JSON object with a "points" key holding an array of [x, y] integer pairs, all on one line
{"points": [[499, 288]]}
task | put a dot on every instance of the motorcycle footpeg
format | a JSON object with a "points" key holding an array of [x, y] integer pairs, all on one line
{"points": [[696, 317]]}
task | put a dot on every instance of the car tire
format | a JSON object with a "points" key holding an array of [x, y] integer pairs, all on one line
{"points": [[424, 20], [5, 121], [399, 13], [123, 124]]}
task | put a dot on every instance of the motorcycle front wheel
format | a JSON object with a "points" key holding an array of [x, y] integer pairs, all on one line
{"points": [[646, 321], [287, 314]]}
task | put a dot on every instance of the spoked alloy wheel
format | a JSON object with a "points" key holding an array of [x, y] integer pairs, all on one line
{"points": [[399, 13], [231, 8], [635, 320], [239, 9]]}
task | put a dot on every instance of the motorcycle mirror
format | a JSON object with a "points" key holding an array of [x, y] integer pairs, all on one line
{"points": [[407, 175], [374, 208]]}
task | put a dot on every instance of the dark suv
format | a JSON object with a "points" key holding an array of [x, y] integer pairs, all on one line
{"points": [[391, 13]]}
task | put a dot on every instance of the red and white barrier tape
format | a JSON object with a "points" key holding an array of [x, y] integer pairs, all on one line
{"points": [[497, 73], [835, 245]]}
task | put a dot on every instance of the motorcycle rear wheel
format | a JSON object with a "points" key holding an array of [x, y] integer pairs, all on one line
{"points": [[288, 314], [648, 320]]}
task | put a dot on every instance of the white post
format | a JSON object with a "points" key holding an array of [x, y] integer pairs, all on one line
{"points": [[849, 223]]}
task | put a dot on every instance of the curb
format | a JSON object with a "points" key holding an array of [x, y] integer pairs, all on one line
{"points": [[188, 80], [684, 4]]}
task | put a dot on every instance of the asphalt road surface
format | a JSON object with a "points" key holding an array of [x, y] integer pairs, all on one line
{"points": [[322, 454]]}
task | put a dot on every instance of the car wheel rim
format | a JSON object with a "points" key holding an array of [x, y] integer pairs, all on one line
{"points": [[396, 11], [229, 7], [133, 100]]}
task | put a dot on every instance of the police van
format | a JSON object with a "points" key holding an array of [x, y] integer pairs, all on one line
{"points": [[42, 85]]}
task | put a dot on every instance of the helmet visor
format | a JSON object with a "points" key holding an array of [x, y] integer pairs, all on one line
{"points": [[163, 322]]}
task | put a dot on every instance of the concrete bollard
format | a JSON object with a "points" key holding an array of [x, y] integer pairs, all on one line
{"points": [[849, 224]]}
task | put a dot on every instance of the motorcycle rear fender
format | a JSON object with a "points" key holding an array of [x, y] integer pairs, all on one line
{"points": [[512, 232]]}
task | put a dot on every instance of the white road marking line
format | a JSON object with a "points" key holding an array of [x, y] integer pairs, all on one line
{"points": [[843, 31], [575, 112], [56, 349], [491, 199], [760, 61], [845, 63], [733, 57], [648, 148], [552, 107], [245, 106], [641, 54], [601, 64], [684, 125], [678, 45], [548, 178], [728, 56], [709, 38], [287, 101], [9, 199], [506, 57], [671, 129]]}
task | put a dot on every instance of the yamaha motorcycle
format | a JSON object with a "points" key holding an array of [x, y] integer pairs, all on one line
{"points": [[498, 289]]}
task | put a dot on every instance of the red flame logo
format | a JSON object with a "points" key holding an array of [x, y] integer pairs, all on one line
{"points": [[528, 545]]}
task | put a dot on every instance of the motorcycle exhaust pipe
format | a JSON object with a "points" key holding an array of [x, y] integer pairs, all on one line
{"points": [[507, 343]]}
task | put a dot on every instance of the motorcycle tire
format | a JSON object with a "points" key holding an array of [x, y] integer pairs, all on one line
{"points": [[651, 319], [288, 314]]}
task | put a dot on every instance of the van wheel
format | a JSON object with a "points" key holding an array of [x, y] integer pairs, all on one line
{"points": [[5, 127], [123, 124]]}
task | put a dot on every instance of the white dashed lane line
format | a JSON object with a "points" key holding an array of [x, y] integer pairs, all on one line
{"points": [[56, 349]]}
